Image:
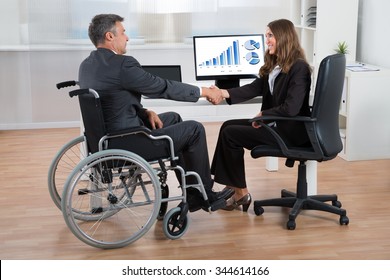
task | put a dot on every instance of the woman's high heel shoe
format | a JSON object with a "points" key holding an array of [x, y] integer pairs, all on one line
{"points": [[244, 201]]}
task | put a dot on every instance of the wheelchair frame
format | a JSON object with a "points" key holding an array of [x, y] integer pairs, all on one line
{"points": [[112, 197]]}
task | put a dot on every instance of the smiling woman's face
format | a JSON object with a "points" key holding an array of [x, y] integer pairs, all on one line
{"points": [[270, 41]]}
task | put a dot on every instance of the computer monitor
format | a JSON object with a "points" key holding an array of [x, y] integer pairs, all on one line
{"points": [[169, 72], [228, 58]]}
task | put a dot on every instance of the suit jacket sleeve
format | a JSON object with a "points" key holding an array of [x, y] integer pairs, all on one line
{"points": [[246, 92]]}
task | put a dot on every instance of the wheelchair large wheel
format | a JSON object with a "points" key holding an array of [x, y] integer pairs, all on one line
{"points": [[63, 164], [111, 199]]}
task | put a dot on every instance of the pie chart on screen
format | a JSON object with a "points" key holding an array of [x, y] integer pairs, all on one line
{"points": [[252, 45], [252, 58]]}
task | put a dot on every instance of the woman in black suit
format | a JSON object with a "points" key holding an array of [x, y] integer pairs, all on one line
{"points": [[284, 84]]}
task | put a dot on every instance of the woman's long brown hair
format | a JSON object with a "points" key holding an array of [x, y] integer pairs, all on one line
{"points": [[288, 48]]}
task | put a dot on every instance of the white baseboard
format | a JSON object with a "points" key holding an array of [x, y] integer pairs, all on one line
{"points": [[40, 125]]}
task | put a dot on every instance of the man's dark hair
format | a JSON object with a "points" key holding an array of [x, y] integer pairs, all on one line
{"points": [[100, 25]]}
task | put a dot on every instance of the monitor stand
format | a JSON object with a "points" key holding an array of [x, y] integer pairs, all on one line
{"points": [[228, 83]]}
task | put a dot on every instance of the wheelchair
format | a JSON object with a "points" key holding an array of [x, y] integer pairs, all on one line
{"points": [[108, 186]]}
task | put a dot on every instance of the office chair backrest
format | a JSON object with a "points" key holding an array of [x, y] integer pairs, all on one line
{"points": [[326, 103], [93, 120]]}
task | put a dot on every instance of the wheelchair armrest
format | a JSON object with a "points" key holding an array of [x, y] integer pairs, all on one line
{"points": [[130, 130], [81, 91], [139, 130]]}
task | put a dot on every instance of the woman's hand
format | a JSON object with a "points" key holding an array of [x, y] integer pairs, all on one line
{"points": [[256, 124], [214, 95]]}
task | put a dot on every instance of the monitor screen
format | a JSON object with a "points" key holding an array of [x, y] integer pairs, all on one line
{"points": [[227, 58], [169, 72]]}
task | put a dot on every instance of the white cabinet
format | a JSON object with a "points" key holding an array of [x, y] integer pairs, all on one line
{"points": [[322, 24], [365, 114], [364, 111]]}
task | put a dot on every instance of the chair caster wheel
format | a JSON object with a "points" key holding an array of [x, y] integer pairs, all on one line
{"points": [[344, 220], [174, 226], [291, 225], [336, 204], [258, 210]]}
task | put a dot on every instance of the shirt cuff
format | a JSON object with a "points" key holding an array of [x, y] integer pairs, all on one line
{"points": [[200, 91]]}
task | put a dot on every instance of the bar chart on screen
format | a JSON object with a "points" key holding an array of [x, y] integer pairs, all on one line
{"points": [[230, 56]]}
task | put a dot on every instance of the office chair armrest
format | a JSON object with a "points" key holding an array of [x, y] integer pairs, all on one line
{"points": [[279, 140], [281, 143], [262, 119]]}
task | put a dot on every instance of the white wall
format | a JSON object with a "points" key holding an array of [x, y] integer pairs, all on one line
{"points": [[28, 97], [373, 32], [11, 21], [28, 73]]}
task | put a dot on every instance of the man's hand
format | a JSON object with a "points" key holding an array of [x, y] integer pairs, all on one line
{"points": [[154, 120], [214, 95]]}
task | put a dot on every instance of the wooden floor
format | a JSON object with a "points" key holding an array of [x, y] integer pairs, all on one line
{"points": [[31, 227]]}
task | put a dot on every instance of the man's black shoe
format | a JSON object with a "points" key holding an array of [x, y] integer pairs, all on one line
{"points": [[214, 206], [226, 193], [216, 200]]}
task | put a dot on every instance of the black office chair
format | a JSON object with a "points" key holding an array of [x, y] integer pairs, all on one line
{"points": [[323, 131]]}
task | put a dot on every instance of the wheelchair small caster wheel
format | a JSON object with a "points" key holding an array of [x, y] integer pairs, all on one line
{"points": [[291, 225], [174, 226], [336, 204], [258, 210], [344, 220]]}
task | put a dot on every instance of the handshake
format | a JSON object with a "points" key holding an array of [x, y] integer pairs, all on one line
{"points": [[214, 94]]}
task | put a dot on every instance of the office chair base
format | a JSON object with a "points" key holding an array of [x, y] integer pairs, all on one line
{"points": [[313, 202]]}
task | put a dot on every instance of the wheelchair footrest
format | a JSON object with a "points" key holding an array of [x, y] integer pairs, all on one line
{"points": [[218, 204]]}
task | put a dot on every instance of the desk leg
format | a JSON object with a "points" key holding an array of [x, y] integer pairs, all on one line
{"points": [[271, 164], [311, 175]]}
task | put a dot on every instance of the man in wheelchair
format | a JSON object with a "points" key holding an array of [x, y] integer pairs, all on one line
{"points": [[121, 82]]}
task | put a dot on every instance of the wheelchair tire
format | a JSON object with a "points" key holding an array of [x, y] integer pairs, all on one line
{"points": [[111, 199], [172, 226], [62, 165]]}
